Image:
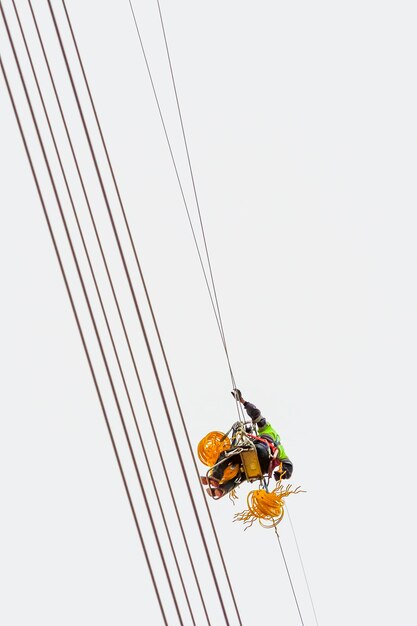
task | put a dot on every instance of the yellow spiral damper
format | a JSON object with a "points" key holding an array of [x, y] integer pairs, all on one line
{"points": [[211, 446], [266, 507], [230, 472]]}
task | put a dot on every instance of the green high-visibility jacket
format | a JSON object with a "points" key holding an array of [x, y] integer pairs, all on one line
{"points": [[268, 430]]}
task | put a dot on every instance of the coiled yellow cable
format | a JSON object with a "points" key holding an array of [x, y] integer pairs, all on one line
{"points": [[267, 507], [230, 472], [211, 446]]}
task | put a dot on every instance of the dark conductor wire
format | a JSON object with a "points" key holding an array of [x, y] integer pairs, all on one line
{"points": [[130, 352], [96, 385], [101, 301], [214, 531], [93, 321], [136, 305]]}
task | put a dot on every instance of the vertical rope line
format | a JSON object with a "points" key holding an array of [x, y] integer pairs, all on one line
{"points": [[302, 565], [174, 164], [214, 531], [214, 304], [96, 385], [52, 180], [126, 337], [194, 184], [139, 315], [289, 576]]}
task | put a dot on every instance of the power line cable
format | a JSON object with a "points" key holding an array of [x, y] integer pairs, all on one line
{"points": [[214, 531], [130, 351], [51, 177], [138, 312], [105, 314], [96, 385]]}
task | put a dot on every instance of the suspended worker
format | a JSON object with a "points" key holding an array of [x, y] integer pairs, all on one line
{"points": [[266, 441]]}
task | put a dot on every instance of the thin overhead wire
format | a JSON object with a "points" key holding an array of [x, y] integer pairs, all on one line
{"points": [[190, 167], [289, 576], [200, 216], [214, 531], [175, 165], [137, 308], [97, 334], [302, 565], [211, 289], [83, 341], [212, 294], [215, 303]]}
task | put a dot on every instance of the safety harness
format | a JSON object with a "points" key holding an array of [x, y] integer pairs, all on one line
{"points": [[273, 452]]}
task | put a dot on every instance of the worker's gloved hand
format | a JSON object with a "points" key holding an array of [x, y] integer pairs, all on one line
{"points": [[237, 395]]}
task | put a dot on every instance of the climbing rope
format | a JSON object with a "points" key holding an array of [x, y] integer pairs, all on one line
{"points": [[289, 576], [302, 565], [210, 283]]}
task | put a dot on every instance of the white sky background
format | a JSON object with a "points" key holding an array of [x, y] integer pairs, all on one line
{"points": [[302, 130]]}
